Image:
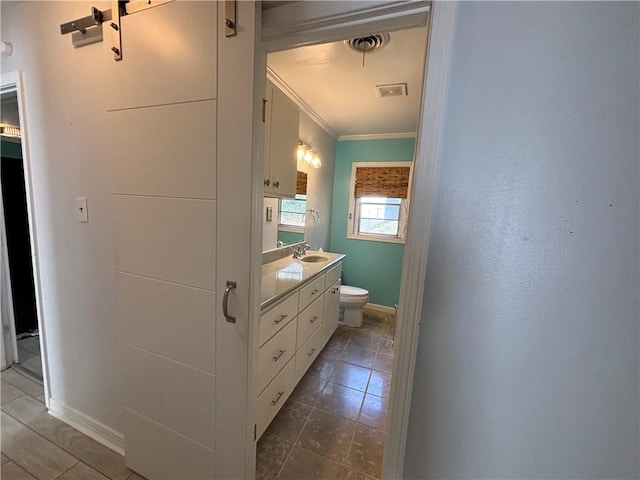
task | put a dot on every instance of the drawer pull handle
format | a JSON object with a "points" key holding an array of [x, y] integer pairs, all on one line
{"points": [[280, 353], [282, 317], [312, 352], [313, 320], [315, 291], [278, 397]]}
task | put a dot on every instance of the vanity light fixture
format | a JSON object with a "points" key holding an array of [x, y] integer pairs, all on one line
{"points": [[308, 156], [7, 130]]}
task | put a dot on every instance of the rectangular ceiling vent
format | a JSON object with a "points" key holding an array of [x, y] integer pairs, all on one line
{"points": [[393, 90]]}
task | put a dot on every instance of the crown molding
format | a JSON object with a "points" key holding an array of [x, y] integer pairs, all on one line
{"points": [[378, 136], [302, 105]]}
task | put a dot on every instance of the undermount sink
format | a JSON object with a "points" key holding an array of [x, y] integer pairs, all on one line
{"points": [[314, 258]]}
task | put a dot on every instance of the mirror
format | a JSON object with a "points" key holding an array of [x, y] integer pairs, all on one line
{"points": [[284, 219]]}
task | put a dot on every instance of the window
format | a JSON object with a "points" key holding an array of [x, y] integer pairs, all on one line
{"points": [[379, 204], [292, 212]]}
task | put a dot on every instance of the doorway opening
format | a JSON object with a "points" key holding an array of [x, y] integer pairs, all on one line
{"points": [[21, 337], [335, 421]]}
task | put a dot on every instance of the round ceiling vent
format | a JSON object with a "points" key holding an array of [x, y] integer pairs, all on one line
{"points": [[368, 44]]}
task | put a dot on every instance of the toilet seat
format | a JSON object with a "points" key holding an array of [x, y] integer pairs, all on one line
{"points": [[352, 292]]}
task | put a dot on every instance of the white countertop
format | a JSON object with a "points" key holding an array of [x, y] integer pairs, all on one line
{"points": [[282, 276]]}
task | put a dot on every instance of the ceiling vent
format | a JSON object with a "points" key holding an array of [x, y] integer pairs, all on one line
{"points": [[393, 90], [368, 44]]}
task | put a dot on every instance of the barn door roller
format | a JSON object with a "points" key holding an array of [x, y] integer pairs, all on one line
{"points": [[88, 30]]}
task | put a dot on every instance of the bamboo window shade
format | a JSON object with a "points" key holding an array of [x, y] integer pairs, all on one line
{"points": [[301, 183], [389, 182]]}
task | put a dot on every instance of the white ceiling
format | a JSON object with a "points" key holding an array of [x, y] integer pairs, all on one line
{"points": [[330, 79]]}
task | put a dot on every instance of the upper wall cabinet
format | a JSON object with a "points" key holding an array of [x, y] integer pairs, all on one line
{"points": [[281, 144]]}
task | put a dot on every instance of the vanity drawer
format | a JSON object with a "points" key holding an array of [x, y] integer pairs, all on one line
{"points": [[277, 317], [274, 354], [308, 320], [271, 400], [333, 274], [308, 353], [311, 291]]}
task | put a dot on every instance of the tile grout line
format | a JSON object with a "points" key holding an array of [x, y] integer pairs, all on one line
{"points": [[307, 419], [72, 466]]}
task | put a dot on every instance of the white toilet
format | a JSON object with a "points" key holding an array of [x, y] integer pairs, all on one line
{"points": [[352, 299]]}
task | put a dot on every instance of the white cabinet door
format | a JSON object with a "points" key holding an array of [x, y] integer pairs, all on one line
{"points": [[281, 143], [183, 228], [331, 310]]}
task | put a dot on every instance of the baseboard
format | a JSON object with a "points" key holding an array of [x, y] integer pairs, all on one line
{"points": [[87, 425], [380, 308]]}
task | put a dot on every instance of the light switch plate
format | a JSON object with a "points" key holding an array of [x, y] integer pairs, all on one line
{"points": [[82, 214], [269, 214]]}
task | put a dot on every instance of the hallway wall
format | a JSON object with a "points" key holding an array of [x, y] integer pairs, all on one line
{"points": [[528, 361]]}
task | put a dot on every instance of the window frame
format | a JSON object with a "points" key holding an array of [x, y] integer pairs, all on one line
{"points": [[353, 217], [285, 227]]}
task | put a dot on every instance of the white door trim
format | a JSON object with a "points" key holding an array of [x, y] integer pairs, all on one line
{"points": [[293, 25], [14, 81], [425, 174]]}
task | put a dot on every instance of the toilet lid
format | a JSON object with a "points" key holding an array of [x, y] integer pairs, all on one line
{"points": [[352, 291]]}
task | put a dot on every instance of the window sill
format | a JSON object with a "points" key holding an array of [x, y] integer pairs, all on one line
{"points": [[284, 228], [372, 238]]}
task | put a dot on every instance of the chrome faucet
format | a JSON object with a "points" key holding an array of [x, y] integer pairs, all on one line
{"points": [[301, 250]]}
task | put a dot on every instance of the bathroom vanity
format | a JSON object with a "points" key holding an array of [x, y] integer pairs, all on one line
{"points": [[299, 313]]}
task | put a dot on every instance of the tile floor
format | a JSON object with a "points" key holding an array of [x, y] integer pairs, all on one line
{"points": [[29, 357], [36, 445], [332, 426]]}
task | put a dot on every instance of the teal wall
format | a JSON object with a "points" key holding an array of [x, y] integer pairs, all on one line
{"points": [[10, 149], [376, 266], [290, 237]]}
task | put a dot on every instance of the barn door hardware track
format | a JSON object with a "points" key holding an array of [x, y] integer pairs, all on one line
{"points": [[88, 29]]}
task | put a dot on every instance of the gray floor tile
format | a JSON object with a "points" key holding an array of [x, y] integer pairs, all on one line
{"points": [[328, 435], [20, 444], [30, 343], [3, 458], [272, 451], [34, 365], [386, 346], [358, 355], [11, 471], [351, 474], [366, 339], [307, 465], [340, 400], [308, 389], [379, 384], [23, 383], [290, 420], [383, 363], [366, 451], [374, 412], [82, 472], [136, 476], [40, 398], [9, 393], [351, 376], [24, 354], [33, 414], [321, 368]]}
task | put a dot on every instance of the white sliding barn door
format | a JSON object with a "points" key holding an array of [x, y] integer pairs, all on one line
{"points": [[182, 195]]}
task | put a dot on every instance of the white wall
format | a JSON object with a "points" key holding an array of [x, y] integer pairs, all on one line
{"points": [[66, 115], [528, 359], [319, 181]]}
